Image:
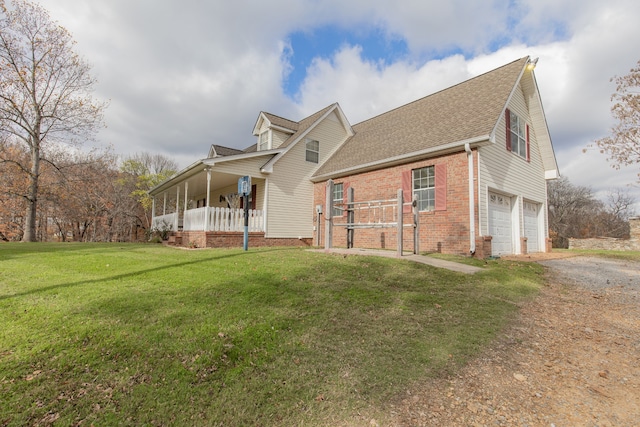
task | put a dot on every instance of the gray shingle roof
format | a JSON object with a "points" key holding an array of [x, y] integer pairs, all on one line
{"points": [[467, 110], [221, 150], [281, 121], [304, 124]]}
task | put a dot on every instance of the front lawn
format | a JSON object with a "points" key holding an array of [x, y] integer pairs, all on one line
{"points": [[126, 334]]}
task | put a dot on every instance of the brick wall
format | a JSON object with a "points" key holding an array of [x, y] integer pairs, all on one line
{"points": [[445, 231]]}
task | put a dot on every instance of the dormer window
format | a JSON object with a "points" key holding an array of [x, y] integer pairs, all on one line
{"points": [[312, 151], [263, 143]]}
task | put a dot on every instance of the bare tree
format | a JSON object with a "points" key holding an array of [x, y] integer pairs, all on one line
{"points": [[574, 212], [623, 145], [567, 205], [620, 203], [45, 91]]}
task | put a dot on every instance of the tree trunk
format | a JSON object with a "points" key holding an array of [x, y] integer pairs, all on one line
{"points": [[32, 196]]}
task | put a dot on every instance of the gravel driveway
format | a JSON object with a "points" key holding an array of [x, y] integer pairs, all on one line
{"points": [[572, 358], [597, 274]]}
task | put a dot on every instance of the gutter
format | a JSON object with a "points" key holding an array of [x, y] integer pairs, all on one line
{"points": [[403, 158], [472, 202]]}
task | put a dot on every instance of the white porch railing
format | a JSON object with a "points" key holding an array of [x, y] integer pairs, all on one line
{"points": [[222, 219], [165, 222]]}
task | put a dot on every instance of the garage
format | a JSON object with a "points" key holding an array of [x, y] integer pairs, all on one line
{"points": [[500, 226], [531, 230]]}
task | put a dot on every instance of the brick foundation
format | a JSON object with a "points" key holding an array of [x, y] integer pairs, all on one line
{"points": [[220, 239], [483, 247]]}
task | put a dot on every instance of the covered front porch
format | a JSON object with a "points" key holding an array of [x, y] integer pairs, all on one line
{"points": [[202, 201]]}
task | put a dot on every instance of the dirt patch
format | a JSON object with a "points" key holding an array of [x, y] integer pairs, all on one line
{"points": [[572, 358]]}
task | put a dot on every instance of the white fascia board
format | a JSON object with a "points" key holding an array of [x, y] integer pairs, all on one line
{"points": [[268, 167], [200, 165], [505, 106], [549, 156], [345, 122], [261, 118], [233, 158], [282, 129], [404, 158], [177, 177], [551, 174]]}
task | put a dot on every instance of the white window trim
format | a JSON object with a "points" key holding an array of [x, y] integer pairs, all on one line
{"points": [[431, 189], [518, 141], [267, 143], [308, 150], [337, 201]]}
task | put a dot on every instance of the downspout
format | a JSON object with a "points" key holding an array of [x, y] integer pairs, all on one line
{"points": [[472, 202]]}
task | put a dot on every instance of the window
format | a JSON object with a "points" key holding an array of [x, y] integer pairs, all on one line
{"points": [[517, 138], [313, 151], [264, 141], [424, 188], [338, 200]]}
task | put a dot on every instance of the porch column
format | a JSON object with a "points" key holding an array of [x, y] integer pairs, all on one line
{"points": [[153, 208], [164, 207], [206, 210], [177, 219], [186, 200]]}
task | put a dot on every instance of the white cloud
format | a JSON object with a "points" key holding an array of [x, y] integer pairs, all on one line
{"points": [[184, 74]]}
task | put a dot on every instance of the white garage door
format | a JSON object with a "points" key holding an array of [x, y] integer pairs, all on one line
{"points": [[531, 231], [500, 227]]}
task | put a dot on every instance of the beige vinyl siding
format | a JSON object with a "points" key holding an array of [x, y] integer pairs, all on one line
{"points": [[278, 137], [243, 167], [290, 195], [508, 173]]}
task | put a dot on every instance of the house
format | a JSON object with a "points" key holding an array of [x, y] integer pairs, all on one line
{"points": [[475, 157]]}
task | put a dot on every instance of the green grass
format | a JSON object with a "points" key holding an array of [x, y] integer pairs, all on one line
{"points": [[623, 255], [149, 335]]}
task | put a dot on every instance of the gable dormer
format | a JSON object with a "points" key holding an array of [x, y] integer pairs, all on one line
{"points": [[272, 131]]}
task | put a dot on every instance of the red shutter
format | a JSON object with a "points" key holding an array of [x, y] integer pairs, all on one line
{"points": [[407, 191], [441, 187], [528, 150], [507, 119], [345, 188]]}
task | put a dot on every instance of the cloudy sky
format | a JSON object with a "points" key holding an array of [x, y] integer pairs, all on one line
{"points": [[183, 74]]}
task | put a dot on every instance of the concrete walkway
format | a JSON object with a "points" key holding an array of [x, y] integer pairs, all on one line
{"points": [[434, 262]]}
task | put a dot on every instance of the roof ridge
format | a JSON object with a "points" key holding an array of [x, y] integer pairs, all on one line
{"points": [[439, 91], [280, 117]]}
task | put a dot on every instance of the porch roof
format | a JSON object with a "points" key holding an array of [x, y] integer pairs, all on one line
{"points": [[222, 179]]}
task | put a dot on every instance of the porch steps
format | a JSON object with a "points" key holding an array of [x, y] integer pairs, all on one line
{"points": [[174, 240]]}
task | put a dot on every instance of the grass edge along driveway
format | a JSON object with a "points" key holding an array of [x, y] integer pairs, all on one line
{"points": [[148, 335]]}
